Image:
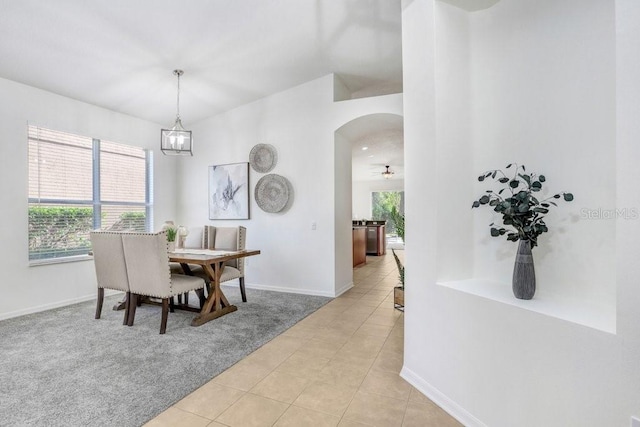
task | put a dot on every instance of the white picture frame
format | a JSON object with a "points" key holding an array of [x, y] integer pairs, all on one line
{"points": [[229, 191]]}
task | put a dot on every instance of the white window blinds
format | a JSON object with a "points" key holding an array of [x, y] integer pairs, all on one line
{"points": [[77, 184], [122, 187]]}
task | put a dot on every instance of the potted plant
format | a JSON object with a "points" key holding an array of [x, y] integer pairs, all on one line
{"points": [[172, 233], [398, 291], [524, 214]]}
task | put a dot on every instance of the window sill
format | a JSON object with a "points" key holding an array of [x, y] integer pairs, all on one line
{"points": [[602, 318], [49, 261]]}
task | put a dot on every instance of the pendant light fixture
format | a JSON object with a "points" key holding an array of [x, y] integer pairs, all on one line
{"points": [[177, 140], [387, 173]]}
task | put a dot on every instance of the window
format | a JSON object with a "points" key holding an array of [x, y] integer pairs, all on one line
{"points": [[382, 203], [77, 184]]}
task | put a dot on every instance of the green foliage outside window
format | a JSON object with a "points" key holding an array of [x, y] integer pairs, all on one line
{"points": [[130, 221], [60, 231], [56, 231], [397, 219], [383, 203]]}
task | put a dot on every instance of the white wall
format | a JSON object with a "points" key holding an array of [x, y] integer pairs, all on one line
{"points": [[27, 289], [361, 194], [300, 123], [422, 313], [343, 258], [627, 231], [455, 171], [542, 78]]}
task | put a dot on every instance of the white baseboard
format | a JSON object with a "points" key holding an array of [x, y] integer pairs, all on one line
{"points": [[284, 289], [440, 399], [344, 289], [57, 304]]}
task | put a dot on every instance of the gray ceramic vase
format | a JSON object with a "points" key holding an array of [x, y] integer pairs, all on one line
{"points": [[524, 275]]}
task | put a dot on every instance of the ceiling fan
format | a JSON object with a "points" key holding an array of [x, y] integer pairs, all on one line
{"points": [[387, 173]]}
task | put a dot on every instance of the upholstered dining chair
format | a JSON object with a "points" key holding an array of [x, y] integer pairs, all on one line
{"points": [[111, 269], [230, 239], [221, 238], [195, 239], [147, 261]]}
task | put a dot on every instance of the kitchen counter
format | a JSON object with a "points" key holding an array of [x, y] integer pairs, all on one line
{"points": [[359, 245]]}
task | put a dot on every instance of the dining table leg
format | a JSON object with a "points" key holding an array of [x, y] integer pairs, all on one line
{"points": [[199, 292], [216, 304], [120, 305]]}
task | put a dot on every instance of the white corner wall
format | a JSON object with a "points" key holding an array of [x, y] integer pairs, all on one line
{"points": [[495, 364], [343, 199], [29, 289], [454, 144], [627, 196], [300, 122]]}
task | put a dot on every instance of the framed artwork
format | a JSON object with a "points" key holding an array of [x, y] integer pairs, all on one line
{"points": [[229, 191]]}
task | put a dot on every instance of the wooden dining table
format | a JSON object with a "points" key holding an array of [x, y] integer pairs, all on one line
{"points": [[212, 262]]}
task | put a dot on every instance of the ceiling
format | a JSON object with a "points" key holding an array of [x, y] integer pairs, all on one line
{"points": [[120, 54], [377, 141], [472, 5]]}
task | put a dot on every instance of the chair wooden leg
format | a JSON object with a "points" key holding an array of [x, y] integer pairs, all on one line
{"points": [[172, 304], [186, 298], [165, 314], [201, 297], [99, 302], [133, 303], [127, 301], [242, 291]]}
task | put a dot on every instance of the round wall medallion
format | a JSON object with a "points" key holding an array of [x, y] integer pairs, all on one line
{"points": [[272, 193], [263, 158]]}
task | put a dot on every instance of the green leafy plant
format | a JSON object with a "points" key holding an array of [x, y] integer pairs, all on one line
{"points": [[398, 221], [517, 204], [400, 268], [171, 229]]}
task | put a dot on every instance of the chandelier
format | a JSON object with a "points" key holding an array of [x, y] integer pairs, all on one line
{"points": [[177, 140]]}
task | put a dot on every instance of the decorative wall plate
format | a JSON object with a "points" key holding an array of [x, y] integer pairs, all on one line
{"points": [[263, 158], [272, 193]]}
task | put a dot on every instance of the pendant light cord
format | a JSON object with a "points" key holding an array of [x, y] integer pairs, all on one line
{"points": [[178, 102]]}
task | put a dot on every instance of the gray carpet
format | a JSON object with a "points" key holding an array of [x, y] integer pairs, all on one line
{"points": [[64, 368]]}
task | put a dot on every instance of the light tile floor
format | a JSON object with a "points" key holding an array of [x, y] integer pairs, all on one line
{"points": [[337, 367]]}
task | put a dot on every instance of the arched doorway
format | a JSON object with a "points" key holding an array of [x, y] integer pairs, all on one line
{"points": [[364, 147]]}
